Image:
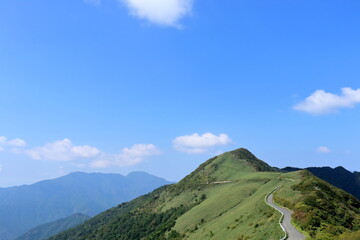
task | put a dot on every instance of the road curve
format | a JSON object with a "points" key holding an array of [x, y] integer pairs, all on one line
{"points": [[292, 232]]}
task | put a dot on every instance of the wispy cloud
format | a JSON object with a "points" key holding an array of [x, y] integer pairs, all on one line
{"points": [[16, 142], [323, 149], [81, 155], [197, 144], [161, 12], [62, 150], [321, 102], [127, 157]]}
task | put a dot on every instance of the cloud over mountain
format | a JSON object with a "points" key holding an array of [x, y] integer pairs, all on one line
{"points": [[127, 157], [65, 150], [62, 150], [323, 149], [196, 144]]}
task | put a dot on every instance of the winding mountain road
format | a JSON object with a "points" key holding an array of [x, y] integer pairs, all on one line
{"points": [[292, 232]]}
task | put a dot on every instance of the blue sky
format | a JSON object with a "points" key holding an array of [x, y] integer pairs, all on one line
{"points": [[163, 85]]}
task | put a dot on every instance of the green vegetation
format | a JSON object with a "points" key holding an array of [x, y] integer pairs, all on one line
{"points": [[224, 199], [350, 236]]}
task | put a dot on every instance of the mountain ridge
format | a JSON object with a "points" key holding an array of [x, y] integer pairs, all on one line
{"points": [[224, 199]]}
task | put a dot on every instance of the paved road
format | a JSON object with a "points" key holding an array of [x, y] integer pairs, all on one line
{"points": [[292, 232]]}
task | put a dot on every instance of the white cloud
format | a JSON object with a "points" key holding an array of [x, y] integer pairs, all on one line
{"points": [[1, 168], [62, 150], [323, 149], [85, 151], [321, 102], [196, 144], [65, 150], [16, 142], [161, 12], [128, 156]]}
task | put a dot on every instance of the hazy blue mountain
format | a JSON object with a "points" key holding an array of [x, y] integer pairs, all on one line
{"points": [[339, 177], [47, 230], [28, 206]]}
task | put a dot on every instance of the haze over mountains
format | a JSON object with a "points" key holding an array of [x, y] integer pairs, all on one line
{"points": [[47, 230], [224, 199], [28, 206]]}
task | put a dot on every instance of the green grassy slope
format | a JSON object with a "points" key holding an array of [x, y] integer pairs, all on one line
{"points": [[222, 199]]}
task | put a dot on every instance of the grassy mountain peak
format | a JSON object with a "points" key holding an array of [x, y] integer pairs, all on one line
{"points": [[251, 159], [228, 166]]}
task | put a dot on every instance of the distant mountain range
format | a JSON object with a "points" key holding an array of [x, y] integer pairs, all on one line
{"points": [[47, 230], [28, 206], [339, 177], [224, 199]]}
